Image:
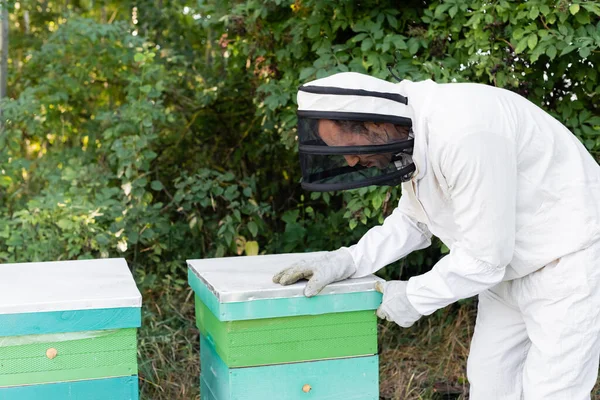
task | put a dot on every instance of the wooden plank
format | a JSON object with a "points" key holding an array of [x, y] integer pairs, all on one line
{"points": [[111, 354], [284, 307], [69, 321], [353, 378], [289, 339], [121, 388]]}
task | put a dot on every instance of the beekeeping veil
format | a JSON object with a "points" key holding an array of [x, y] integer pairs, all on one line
{"points": [[350, 96]]}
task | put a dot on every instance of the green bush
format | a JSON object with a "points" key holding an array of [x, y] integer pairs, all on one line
{"points": [[174, 137]]}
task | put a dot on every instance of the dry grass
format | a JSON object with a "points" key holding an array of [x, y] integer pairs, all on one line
{"points": [[169, 364], [425, 362], [428, 360]]}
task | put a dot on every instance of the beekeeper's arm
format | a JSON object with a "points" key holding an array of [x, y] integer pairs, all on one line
{"points": [[481, 174], [398, 236]]}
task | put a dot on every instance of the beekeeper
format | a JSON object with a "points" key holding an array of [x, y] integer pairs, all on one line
{"points": [[507, 188]]}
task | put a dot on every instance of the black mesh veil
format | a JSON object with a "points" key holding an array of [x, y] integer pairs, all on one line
{"points": [[327, 168]]}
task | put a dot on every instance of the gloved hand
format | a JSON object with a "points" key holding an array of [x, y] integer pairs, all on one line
{"points": [[331, 267], [395, 305]]}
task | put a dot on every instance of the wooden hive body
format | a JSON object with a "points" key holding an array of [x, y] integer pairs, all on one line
{"points": [[68, 330], [259, 338]]}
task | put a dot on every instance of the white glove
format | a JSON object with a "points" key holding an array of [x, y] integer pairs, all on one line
{"points": [[331, 267], [395, 305]]}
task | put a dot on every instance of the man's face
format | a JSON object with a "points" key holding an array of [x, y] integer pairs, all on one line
{"points": [[378, 133]]}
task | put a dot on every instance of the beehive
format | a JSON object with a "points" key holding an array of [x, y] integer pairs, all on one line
{"points": [[68, 330], [262, 340]]}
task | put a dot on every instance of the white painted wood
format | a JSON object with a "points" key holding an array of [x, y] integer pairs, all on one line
{"points": [[67, 285], [237, 279]]}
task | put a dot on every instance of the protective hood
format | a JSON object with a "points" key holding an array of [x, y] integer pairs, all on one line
{"points": [[340, 164]]}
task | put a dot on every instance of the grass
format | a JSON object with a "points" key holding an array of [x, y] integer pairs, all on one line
{"points": [[425, 362]]}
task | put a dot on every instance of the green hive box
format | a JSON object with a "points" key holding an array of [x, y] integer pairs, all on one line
{"points": [[68, 330], [260, 339]]}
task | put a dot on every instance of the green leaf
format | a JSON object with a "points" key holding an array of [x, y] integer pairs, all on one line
{"points": [[253, 228], [594, 121], [399, 42], [193, 222], [567, 50], [392, 21], [367, 212], [574, 9], [441, 9], [532, 41], [536, 53], [306, 72], [518, 33], [5, 181], [377, 201], [251, 248], [138, 57], [290, 216], [584, 116], [413, 46], [156, 185], [563, 30], [314, 31], [522, 45], [65, 224], [366, 44], [453, 11], [533, 13], [102, 239], [146, 88], [360, 37], [353, 224], [592, 7], [133, 237], [584, 52], [551, 51], [583, 18]]}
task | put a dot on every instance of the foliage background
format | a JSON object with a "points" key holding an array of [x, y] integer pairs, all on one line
{"points": [[161, 131]]}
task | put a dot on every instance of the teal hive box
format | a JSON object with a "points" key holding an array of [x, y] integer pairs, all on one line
{"points": [[263, 340], [68, 330]]}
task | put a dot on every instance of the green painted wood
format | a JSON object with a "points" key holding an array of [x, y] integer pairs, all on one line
{"points": [[69, 321], [353, 378], [111, 354], [289, 339], [121, 388], [284, 307]]}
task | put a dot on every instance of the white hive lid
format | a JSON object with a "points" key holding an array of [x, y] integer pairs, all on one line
{"points": [[67, 285], [238, 279]]}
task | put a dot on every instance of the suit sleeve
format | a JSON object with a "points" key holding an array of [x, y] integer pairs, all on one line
{"points": [[481, 174], [399, 235]]}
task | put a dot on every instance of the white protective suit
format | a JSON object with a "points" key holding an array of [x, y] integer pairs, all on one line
{"points": [[516, 198]]}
